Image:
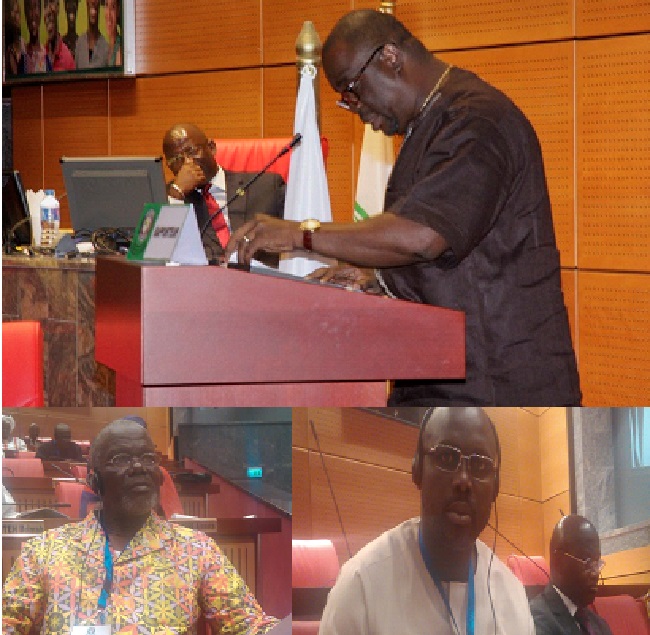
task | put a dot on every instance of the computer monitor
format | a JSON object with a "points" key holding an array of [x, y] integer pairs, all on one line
{"points": [[16, 228], [110, 192]]}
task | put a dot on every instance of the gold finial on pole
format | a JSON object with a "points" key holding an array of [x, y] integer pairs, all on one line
{"points": [[387, 6], [308, 51]]}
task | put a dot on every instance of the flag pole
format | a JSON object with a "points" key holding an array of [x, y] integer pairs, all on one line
{"points": [[308, 52]]}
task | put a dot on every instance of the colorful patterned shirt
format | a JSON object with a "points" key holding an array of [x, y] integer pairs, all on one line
{"points": [[165, 579]]}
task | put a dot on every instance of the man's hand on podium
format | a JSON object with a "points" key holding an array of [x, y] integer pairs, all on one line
{"points": [[348, 276], [263, 233]]}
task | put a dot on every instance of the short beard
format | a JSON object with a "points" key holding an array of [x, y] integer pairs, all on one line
{"points": [[138, 506]]}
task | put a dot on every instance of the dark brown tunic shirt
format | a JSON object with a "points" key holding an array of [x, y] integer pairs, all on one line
{"points": [[472, 170]]}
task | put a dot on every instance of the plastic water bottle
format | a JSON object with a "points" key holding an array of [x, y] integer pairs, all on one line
{"points": [[50, 220]]}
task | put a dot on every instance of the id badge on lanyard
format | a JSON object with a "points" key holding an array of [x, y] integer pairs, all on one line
{"points": [[96, 629]]}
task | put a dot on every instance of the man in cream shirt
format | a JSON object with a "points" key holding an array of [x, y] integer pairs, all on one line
{"points": [[431, 574]]}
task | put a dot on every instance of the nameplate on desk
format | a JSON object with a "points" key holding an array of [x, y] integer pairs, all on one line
{"points": [[206, 525], [167, 234], [10, 526]]}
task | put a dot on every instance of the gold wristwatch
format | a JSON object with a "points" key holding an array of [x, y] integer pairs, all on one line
{"points": [[308, 227]]}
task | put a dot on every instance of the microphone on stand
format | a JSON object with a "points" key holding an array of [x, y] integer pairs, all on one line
{"points": [[58, 468], [525, 555], [242, 190]]}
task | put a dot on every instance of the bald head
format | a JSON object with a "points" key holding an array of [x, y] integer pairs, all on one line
{"points": [[62, 432], [187, 149], [117, 429], [575, 554], [181, 133]]}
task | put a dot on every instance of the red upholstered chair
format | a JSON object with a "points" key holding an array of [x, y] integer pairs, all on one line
{"points": [[314, 563], [25, 454], [304, 627], [624, 614], [22, 467], [170, 501], [22, 364], [78, 495], [314, 569], [79, 471], [531, 571], [252, 155]]}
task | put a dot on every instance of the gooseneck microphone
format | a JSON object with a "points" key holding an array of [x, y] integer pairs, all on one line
{"points": [[58, 468], [329, 484], [242, 190], [512, 544]]}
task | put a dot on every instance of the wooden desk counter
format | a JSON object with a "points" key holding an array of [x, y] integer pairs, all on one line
{"points": [[60, 294], [209, 336]]}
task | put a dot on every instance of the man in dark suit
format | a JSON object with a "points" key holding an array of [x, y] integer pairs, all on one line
{"points": [[575, 563], [60, 447], [200, 180]]}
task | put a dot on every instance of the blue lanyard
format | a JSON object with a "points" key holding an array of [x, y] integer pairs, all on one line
{"points": [[471, 611], [108, 581]]}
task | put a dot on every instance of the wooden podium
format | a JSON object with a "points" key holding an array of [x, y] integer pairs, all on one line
{"points": [[210, 336]]}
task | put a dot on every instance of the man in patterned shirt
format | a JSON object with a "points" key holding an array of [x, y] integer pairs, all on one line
{"points": [[124, 569]]}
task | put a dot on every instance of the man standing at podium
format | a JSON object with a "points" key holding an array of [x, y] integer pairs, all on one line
{"points": [[467, 219], [123, 569], [200, 180]]}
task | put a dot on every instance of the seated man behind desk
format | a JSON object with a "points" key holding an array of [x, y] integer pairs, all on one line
{"points": [[124, 567], [418, 577], [60, 447], [562, 608], [199, 180]]}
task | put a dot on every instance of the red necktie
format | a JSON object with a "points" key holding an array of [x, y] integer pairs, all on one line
{"points": [[218, 220]]}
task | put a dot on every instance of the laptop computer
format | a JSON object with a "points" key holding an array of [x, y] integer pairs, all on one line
{"points": [[110, 192]]}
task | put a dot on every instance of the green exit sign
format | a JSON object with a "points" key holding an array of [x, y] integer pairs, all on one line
{"points": [[254, 472]]}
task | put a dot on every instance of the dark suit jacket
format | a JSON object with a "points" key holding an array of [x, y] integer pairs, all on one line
{"points": [[265, 196], [552, 617], [50, 451]]}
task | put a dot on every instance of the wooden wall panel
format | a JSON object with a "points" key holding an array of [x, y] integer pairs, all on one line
{"points": [[363, 436], [461, 23], [282, 21], [598, 17], [614, 153], [301, 493], [614, 336], [197, 36], [554, 453], [519, 520], [539, 79], [79, 127], [338, 126], [280, 89], [552, 510], [370, 499], [620, 565], [226, 104], [27, 120]]}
